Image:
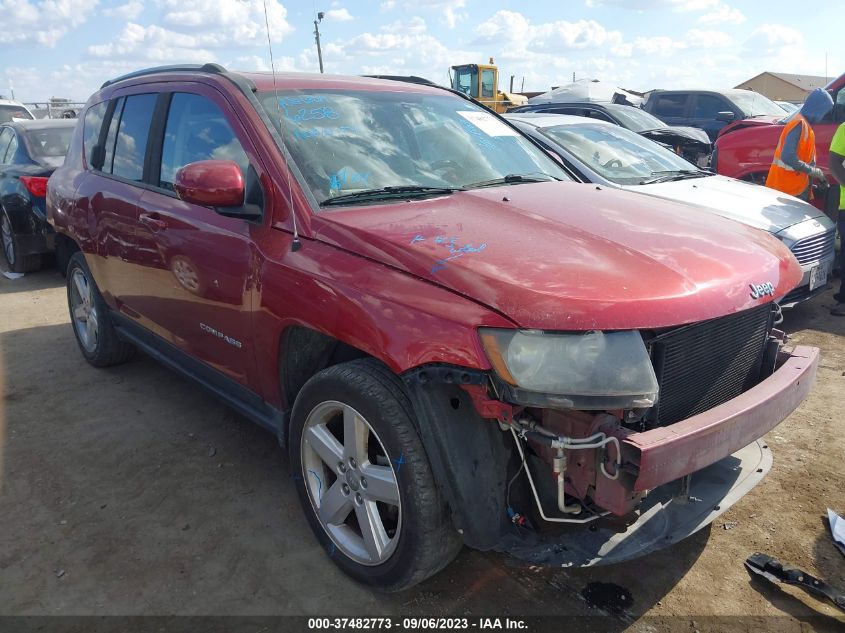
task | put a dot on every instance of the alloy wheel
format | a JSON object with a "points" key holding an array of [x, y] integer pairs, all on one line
{"points": [[351, 483], [84, 310]]}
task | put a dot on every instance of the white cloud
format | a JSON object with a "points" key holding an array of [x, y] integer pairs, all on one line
{"points": [[42, 22], [389, 5], [339, 15], [155, 44], [228, 22], [128, 11], [515, 30], [722, 14]]}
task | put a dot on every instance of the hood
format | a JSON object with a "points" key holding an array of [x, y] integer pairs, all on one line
{"points": [[818, 103], [760, 207], [679, 135], [758, 121], [570, 256]]}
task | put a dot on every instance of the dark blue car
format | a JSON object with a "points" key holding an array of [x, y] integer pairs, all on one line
{"points": [[29, 152]]}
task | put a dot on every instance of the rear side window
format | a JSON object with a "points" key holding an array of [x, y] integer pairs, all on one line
{"points": [[131, 143], [670, 105], [91, 129], [708, 106], [197, 130]]}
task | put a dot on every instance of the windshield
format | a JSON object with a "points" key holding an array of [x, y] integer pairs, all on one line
{"points": [[8, 112], [352, 141], [617, 154], [49, 142], [635, 119], [754, 104]]}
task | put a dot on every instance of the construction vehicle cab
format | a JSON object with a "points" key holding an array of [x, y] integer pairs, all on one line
{"points": [[481, 82]]}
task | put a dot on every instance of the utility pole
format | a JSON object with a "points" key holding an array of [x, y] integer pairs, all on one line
{"points": [[319, 19]]}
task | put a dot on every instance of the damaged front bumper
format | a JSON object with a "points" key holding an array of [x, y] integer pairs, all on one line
{"points": [[668, 514]]}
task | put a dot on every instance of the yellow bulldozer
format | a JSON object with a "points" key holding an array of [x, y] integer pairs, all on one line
{"points": [[481, 82]]}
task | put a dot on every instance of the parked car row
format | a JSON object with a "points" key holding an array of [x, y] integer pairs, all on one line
{"points": [[29, 152]]}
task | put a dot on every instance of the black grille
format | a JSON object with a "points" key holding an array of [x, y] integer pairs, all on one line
{"points": [[703, 365], [813, 249]]}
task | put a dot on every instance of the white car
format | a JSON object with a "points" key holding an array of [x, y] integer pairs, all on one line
{"points": [[13, 110], [609, 155]]}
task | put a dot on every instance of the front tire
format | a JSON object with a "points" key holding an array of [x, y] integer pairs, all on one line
{"points": [[98, 340], [364, 479]]}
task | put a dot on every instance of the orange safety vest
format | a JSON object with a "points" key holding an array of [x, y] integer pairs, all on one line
{"points": [[781, 176]]}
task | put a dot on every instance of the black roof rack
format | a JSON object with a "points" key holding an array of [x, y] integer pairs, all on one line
{"points": [[214, 69], [413, 79]]}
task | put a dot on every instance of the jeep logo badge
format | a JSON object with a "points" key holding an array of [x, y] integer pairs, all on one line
{"points": [[761, 290]]}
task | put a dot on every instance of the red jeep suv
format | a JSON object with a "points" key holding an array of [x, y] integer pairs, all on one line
{"points": [[457, 343]]}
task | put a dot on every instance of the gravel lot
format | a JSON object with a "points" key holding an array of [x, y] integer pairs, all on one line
{"points": [[129, 491]]}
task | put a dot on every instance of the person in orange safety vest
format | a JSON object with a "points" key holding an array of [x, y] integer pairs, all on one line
{"points": [[794, 164]]}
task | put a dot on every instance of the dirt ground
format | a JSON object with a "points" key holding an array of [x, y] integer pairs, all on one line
{"points": [[130, 491]]}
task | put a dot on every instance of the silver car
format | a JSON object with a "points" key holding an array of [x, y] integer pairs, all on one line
{"points": [[612, 156]]}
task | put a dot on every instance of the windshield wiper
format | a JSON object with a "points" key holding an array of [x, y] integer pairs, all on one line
{"points": [[674, 174], [512, 179], [389, 193]]}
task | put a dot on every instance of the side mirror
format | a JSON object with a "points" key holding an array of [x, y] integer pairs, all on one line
{"points": [[727, 116], [211, 183]]}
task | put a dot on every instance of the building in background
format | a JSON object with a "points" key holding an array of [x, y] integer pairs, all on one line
{"points": [[784, 86]]}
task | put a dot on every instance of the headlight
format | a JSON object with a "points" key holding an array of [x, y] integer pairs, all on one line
{"points": [[590, 370]]}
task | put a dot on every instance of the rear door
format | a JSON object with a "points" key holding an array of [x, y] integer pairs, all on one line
{"points": [[112, 189], [200, 299]]}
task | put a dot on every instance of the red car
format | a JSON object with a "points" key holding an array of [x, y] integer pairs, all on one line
{"points": [[744, 149], [456, 342]]}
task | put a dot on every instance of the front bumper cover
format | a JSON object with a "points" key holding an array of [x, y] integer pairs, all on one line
{"points": [[670, 452]]}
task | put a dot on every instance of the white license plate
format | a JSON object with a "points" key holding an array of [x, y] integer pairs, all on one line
{"points": [[818, 276]]}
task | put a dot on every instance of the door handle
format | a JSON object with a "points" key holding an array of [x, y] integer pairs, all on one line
{"points": [[152, 221]]}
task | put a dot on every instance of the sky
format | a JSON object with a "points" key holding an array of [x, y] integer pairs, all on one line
{"points": [[68, 48]]}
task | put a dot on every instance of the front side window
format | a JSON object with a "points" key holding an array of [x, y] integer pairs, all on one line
{"points": [[621, 156], [708, 106], [131, 143], [197, 130], [488, 90], [348, 141], [92, 125]]}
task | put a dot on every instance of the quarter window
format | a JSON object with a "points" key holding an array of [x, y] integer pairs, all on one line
{"points": [[197, 130], [5, 138], [13, 147], [111, 136], [131, 145], [91, 129]]}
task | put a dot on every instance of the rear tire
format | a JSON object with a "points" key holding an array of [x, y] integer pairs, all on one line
{"points": [[89, 315], [355, 452], [17, 263]]}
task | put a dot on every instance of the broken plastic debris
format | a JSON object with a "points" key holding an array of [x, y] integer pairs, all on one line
{"points": [[11, 275], [837, 529]]}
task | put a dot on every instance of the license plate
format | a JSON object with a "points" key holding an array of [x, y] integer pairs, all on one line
{"points": [[818, 276]]}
